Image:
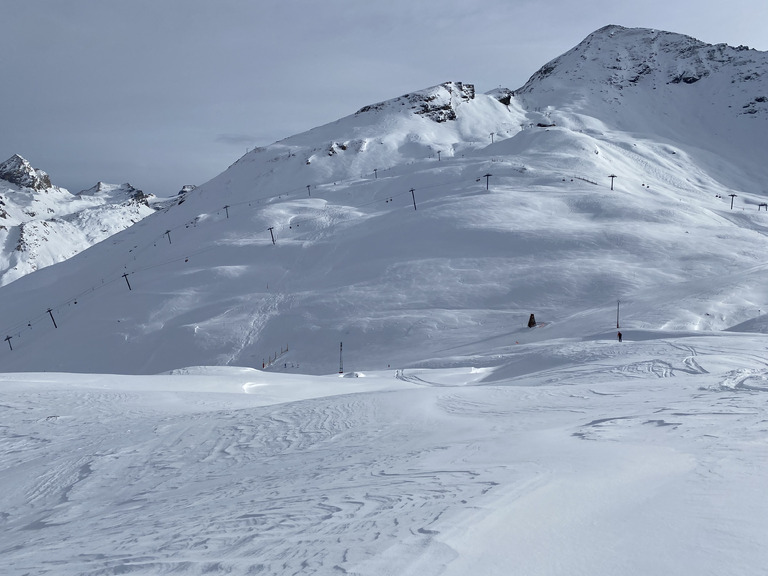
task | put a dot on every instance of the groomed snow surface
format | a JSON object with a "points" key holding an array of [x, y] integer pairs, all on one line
{"points": [[645, 457]]}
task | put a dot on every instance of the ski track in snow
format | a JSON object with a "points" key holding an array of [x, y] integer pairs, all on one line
{"points": [[268, 309], [99, 479], [312, 474]]}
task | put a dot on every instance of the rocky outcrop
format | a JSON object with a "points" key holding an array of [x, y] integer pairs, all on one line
{"points": [[437, 103], [503, 95], [18, 171]]}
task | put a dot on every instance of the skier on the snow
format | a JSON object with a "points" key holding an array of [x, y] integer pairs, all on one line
{"points": [[619, 335]]}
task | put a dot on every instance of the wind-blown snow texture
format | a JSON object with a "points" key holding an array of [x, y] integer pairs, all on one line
{"points": [[421, 232]]}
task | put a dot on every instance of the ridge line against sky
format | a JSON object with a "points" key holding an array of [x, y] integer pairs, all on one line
{"points": [[163, 94]]}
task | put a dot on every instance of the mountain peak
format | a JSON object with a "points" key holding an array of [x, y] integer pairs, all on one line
{"points": [[614, 59], [19, 171]]}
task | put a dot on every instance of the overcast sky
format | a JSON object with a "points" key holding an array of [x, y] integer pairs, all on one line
{"points": [[162, 93]]}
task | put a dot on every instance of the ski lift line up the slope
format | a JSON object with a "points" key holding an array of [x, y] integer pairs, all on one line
{"points": [[270, 199], [136, 250], [18, 329], [289, 194], [292, 223], [296, 222]]}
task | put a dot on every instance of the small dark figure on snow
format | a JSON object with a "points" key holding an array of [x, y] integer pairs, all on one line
{"points": [[619, 336], [531, 321]]}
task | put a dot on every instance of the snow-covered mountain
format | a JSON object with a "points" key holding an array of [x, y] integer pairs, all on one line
{"points": [[623, 185], [43, 224], [434, 224], [711, 99]]}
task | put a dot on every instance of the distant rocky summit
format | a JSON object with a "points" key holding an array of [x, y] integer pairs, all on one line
{"points": [[122, 193], [17, 170]]}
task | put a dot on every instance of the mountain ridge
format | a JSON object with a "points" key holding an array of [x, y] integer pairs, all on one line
{"points": [[425, 238], [42, 224]]}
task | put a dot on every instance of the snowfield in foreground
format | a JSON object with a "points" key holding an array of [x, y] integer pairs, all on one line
{"points": [[643, 457]]}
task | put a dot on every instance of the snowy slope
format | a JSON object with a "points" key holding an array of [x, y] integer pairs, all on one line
{"points": [[647, 457], [650, 84], [421, 232], [202, 282], [43, 224]]}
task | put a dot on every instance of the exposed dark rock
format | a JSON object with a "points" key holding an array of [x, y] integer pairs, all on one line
{"points": [[503, 95], [687, 78], [437, 103], [140, 197], [17, 170]]}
